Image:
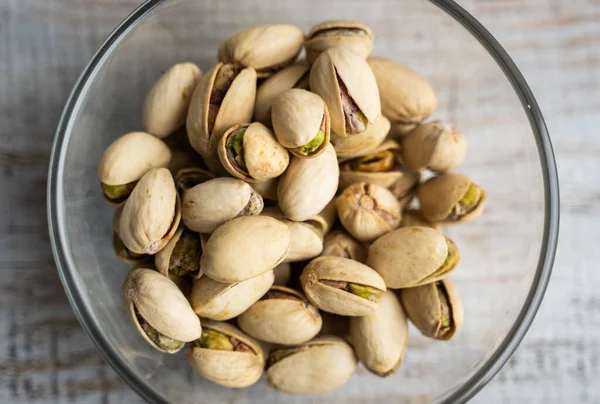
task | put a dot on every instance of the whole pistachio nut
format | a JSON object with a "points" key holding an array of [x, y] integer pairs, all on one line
{"points": [[325, 219], [226, 356], [414, 217], [413, 256], [368, 211], [301, 122], [245, 247], [342, 286], [159, 311], [451, 198], [266, 48], [224, 301], [359, 145], [340, 244], [308, 185], [266, 189], [187, 178], [351, 35], [381, 337], [282, 316], [166, 105], [435, 309], [347, 85], [317, 366], [126, 160], [151, 214], [208, 205], [121, 250], [250, 152], [283, 273], [181, 256]]}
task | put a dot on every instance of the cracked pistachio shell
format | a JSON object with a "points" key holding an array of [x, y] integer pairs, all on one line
{"points": [[412, 256], [163, 307], [381, 337], [151, 214], [283, 316], [263, 156], [162, 260], [266, 189], [308, 185], [341, 271], [406, 97], [325, 220], [120, 250], [283, 273], [166, 105], [353, 146], [442, 199], [368, 211], [340, 65], [427, 306], [298, 116], [238, 365], [315, 367], [208, 205], [294, 76], [266, 48], [340, 244], [245, 247], [224, 301], [351, 35], [414, 217]]}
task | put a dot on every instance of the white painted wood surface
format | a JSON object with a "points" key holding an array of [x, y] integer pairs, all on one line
{"points": [[45, 357]]}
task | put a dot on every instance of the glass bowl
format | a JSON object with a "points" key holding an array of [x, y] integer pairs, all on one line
{"points": [[507, 253]]}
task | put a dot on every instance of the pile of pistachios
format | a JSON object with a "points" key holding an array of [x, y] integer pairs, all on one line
{"points": [[282, 213]]}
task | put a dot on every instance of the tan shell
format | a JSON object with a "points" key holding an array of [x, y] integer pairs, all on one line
{"points": [[245, 247], [161, 304], [361, 44], [318, 366], [212, 203], [265, 158], [398, 130], [266, 189], [380, 338], [352, 146], [121, 251], [339, 244], [414, 217], [283, 273], [187, 178], [335, 300], [358, 78], [224, 301], [163, 257], [228, 368], [151, 214], [325, 220], [308, 185], [166, 105], [405, 96]]}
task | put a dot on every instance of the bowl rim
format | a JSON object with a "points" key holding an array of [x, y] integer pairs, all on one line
{"points": [[551, 207]]}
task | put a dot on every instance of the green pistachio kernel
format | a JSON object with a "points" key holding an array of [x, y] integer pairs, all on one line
{"points": [[235, 147], [471, 198], [161, 340], [118, 192], [366, 292], [211, 339], [185, 258], [313, 145]]}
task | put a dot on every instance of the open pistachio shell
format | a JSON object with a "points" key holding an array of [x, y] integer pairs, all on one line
{"points": [[245, 247], [342, 286], [413, 256], [187, 178], [166, 105], [340, 244], [381, 337], [414, 217], [353, 146], [121, 250], [351, 35], [317, 366], [226, 356], [159, 311], [435, 309], [325, 219], [283, 273], [266, 189], [181, 255]]}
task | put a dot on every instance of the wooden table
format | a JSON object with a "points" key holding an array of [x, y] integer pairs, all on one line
{"points": [[45, 355]]}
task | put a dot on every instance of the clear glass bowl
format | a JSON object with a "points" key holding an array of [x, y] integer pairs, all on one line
{"points": [[507, 253]]}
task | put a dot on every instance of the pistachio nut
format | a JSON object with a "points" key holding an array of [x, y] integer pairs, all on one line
{"points": [[351, 35], [266, 48], [226, 356], [315, 367], [435, 309], [282, 316], [308, 185], [159, 311], [266, 189], [301, 122], [181, 255], [368, 211], [187, 178], [151, 214], [339, 244], [294, 76], [451, 198], [342, 286], [347, 85], [165, 107], [121, 251], [335, 325], [435, 146], [283, 273], [414, 217], [406, 97], [353, 146], [245, 247], [208, 205], [413, 256], [325, 219], [381, 337], [224, 301], [126, 160], [251, 152]]}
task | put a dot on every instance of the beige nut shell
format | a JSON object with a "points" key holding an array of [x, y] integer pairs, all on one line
{"points": [[361, 45], [340, 244], [353, 146]]}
